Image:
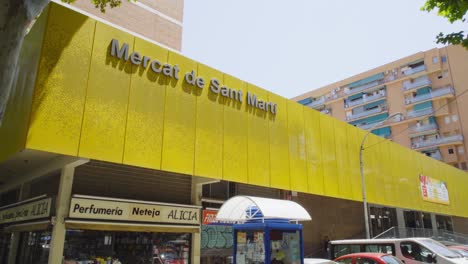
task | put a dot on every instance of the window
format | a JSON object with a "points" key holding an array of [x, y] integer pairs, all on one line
{"points": [[435, 59], [443, 59], [454, 118], [411, 250], [379, 248], [447, 120], [461, 150], [365, 261], [450, 151], [341, 250]]}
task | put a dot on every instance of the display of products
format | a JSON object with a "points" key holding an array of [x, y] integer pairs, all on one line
{"points": [[100, 247]]}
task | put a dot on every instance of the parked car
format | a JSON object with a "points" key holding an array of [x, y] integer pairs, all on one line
{"points": [[408, 250], [368, 258]]}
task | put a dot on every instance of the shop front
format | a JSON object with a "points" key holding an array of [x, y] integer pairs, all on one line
{"points": [[127, 231], [26, 228]]}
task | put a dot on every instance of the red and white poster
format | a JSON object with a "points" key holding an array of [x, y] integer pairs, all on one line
{"points": [[433, 190], [209, 216]]}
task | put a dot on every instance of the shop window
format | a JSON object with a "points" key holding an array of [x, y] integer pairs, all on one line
{"points": [[34, 247], [443, 59], [435, 59], [450, 151], [455, 118], [461, 150], [447, 120], [88, 246]]}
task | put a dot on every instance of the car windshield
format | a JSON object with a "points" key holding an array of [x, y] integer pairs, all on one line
{"points": [[439, 249], [391, 260]]}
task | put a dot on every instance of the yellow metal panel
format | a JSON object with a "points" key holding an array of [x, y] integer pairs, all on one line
{"points": [[144, 132], [235, 134], [105, 115], [354, 142], [341, 150], [387, 173], [369, 161], [330, 172], [179, 119], [258, 140], [60, 91], [209, 129], [400, 177], [412, 176], [279, 152], [313, 143], [297, 151]]}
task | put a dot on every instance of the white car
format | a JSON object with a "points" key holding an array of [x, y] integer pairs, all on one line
{"points": [[318, 261]]}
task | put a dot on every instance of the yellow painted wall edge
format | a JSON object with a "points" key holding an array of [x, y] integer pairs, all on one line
{"points": [[91, 104]]}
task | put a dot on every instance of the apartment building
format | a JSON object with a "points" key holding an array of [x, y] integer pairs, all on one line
{"points": [[159, 21], [428, 88]]}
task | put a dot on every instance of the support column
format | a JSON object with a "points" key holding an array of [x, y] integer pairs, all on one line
{"points": [[62, 209], [197, 191], [401, 223], [434, 224], [15, 236]]}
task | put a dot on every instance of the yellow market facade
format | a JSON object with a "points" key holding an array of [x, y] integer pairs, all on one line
{"points": [[111, 138]]}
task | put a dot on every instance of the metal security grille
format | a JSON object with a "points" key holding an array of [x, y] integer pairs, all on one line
{"points": [[252, 190], [106, 179]]}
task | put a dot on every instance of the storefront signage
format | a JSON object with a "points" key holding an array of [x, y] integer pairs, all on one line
{"points": [[433, 190], [209, 216], [191, 77], [127, 211], [27, 211]]}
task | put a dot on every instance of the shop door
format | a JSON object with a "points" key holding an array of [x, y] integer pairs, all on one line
{"points": [[382, 219]]}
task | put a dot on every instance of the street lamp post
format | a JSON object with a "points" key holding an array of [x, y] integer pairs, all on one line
{"points": [[361, 167]]}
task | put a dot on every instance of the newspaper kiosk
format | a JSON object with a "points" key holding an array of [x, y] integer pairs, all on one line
{"points": [[265, 230]]}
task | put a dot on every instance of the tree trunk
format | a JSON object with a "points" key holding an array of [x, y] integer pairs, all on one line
{"points": [[16, 18]]}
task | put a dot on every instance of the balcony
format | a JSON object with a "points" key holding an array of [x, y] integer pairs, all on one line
{"points": [[419, 113], [326, 111], [366, 99], [316, 103], [429, 96], [421, 129], [435, 155], [418, 83], [414, 70], [374, 111], [438, 141], [361, 88]]}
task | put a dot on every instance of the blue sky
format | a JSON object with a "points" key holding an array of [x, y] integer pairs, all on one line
{"points": [[291, 47]]}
